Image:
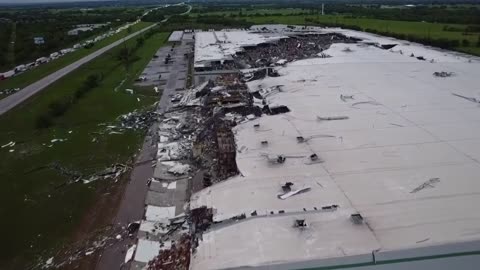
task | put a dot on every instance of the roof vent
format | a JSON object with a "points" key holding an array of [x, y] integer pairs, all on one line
{"points": [[287, 187], [330, 207], [357, 218], [300, 223]]}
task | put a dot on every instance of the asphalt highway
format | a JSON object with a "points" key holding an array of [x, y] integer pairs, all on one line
{"points": [[11, 101]]}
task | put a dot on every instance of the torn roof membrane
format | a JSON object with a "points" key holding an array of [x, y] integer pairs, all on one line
{"points": [[221, 45], [401, 127]]}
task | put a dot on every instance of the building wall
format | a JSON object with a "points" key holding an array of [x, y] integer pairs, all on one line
{"points": [[463, 262], [458, 256]]}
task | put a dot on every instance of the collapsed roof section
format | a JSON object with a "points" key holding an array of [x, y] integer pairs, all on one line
{"points": [[371, 163], [217, 46]]}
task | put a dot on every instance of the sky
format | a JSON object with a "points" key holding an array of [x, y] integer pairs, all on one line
{"points": [[42, 1]]}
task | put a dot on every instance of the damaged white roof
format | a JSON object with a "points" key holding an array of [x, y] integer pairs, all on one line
{"points": [[220, 45], [404, 128]]}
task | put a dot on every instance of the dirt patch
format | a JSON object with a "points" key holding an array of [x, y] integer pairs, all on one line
{"points": [[99, 215]]}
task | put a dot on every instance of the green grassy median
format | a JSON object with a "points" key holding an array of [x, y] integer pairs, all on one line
{"points": [[39, 72], [42, 211]]}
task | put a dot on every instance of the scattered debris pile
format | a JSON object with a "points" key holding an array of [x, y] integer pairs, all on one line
{"points": [[9, 91], [64, 171], [201, 219], [113, 172], [196, 134], [137, 120], [224, 103], [260, 73], [443, 74], [428, 184], [290, 49], [71, 255], [175, 258]]}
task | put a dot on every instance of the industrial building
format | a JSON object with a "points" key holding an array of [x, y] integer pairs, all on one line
{"points": [[373, 164]]}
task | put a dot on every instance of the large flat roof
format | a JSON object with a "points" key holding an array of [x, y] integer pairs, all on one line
{"points": [[220, 45], [406, 159], [175, 36]]}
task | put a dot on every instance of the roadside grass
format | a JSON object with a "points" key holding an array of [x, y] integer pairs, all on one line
{"points": [[31, 76], [40, 212], [419, 29]]}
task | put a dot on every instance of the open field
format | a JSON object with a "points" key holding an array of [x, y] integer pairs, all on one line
{"points": [[42, 209], [33, 75], [419, 29]]}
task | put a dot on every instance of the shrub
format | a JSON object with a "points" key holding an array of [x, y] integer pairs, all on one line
{"points": [[58, 108], [43, 121]]}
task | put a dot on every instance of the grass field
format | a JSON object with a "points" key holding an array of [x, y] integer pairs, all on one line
{"points": [[34, 75], [37, 215]]}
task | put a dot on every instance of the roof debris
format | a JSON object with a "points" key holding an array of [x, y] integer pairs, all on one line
{"points": [[344, 98], [10, 144], [129, 254], [429, 184], [371, 102], [330, 118], [443, 74], [472, 99], [293, 193]]}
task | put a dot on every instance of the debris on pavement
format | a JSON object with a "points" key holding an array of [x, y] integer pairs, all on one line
{"points": [[179, 169], [129, 254], [177, 257], [9, 91]]}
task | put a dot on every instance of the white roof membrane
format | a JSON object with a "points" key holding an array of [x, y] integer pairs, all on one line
{"points": [[407, 130]]}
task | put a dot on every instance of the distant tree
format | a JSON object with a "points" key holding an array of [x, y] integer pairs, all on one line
{"points": [[140, 42], [92, 81], [58, 108], [478, 41], [123, 54], [465, 43]]}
